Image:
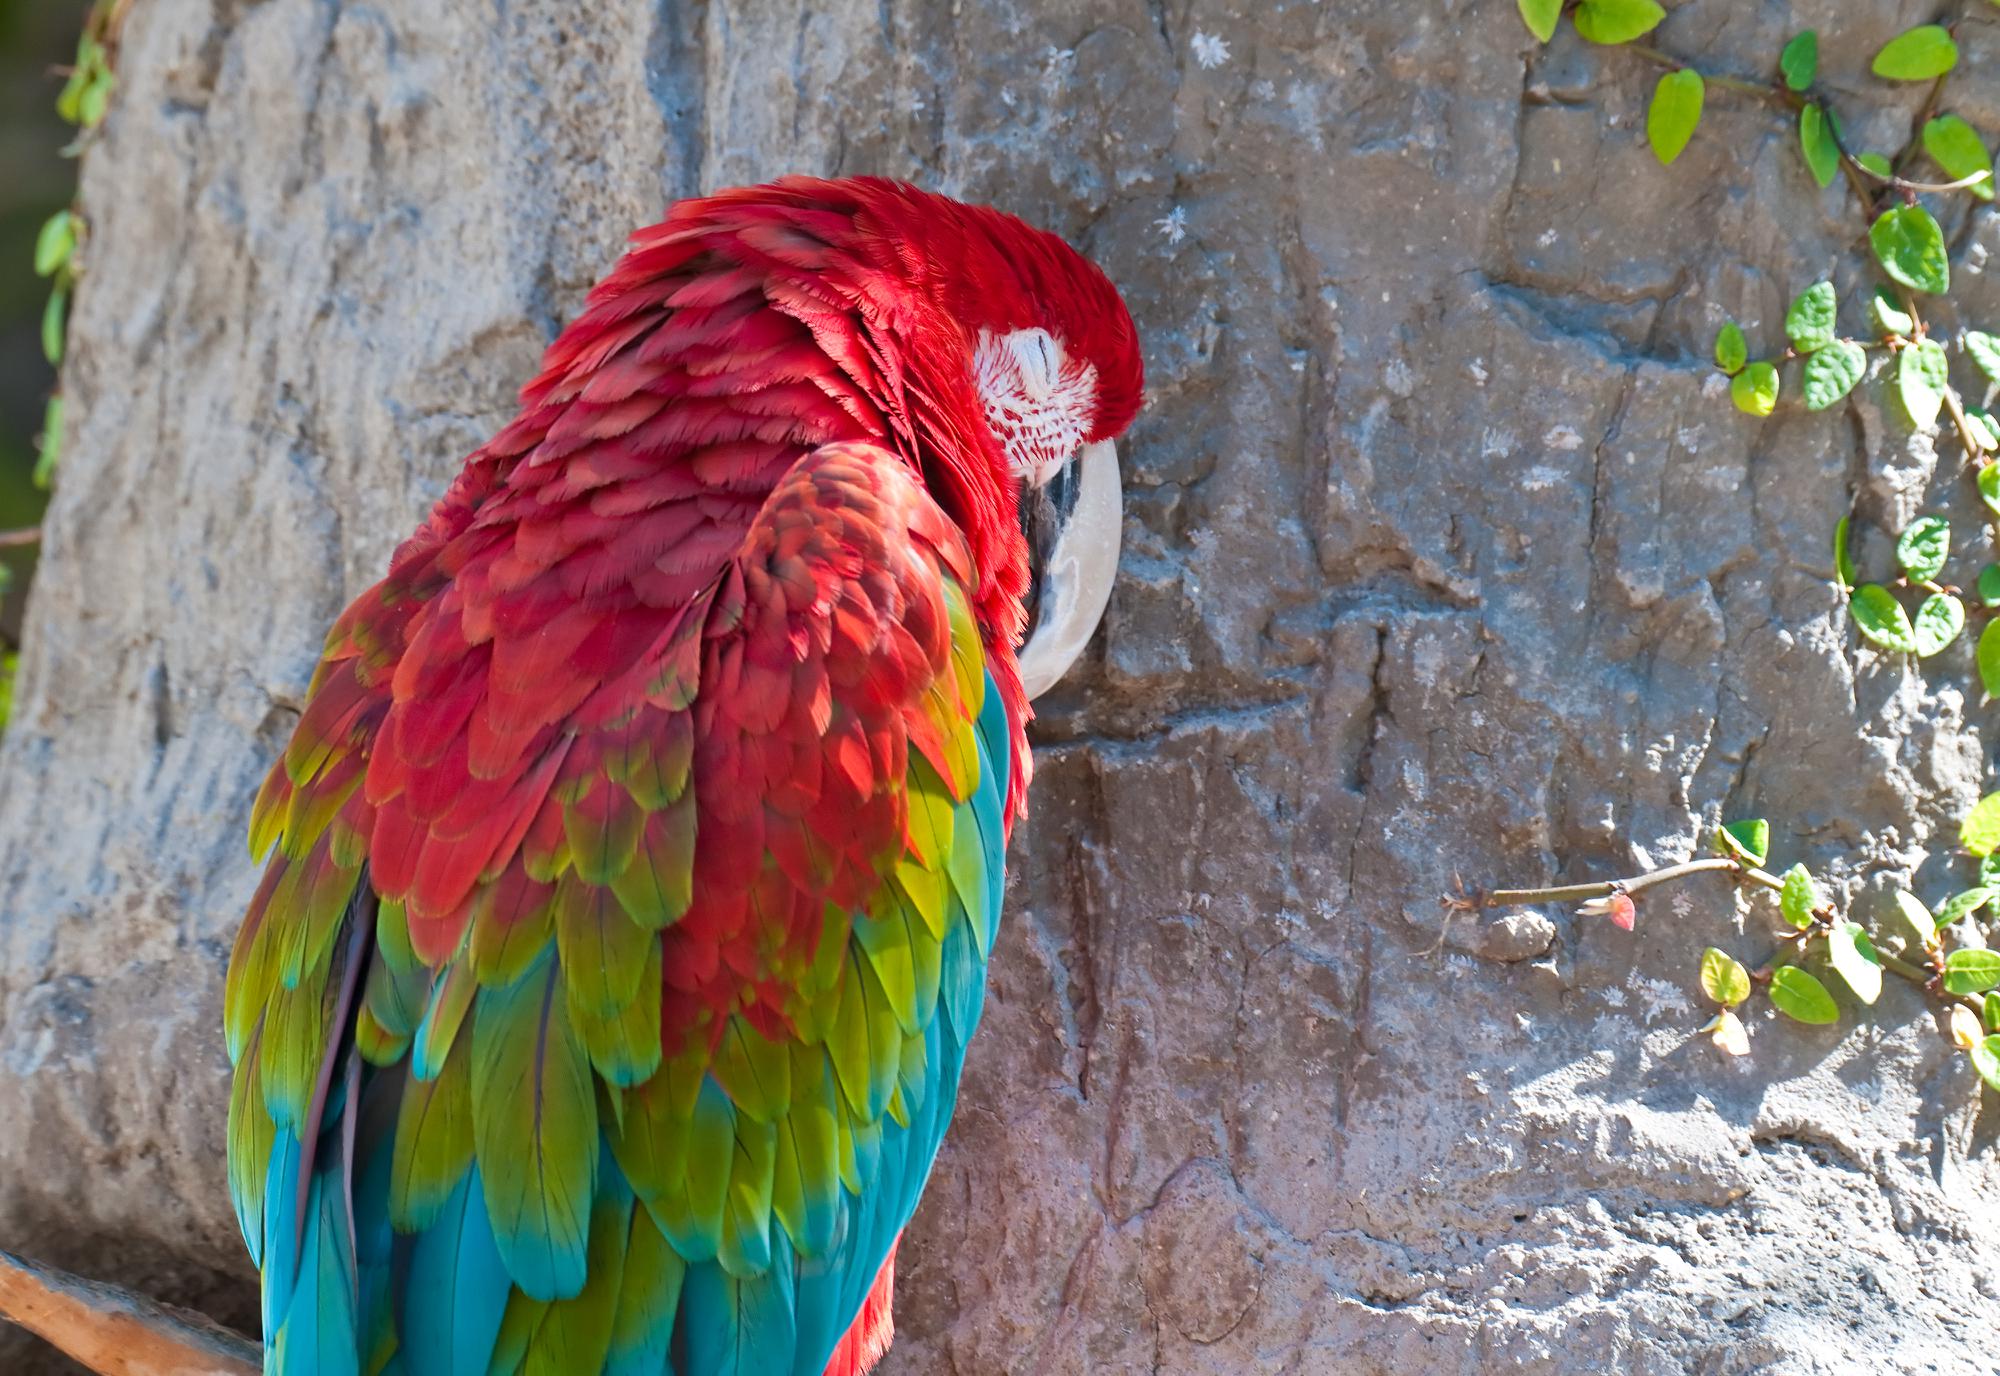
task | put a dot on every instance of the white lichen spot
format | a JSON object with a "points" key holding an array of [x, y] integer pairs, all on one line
{"points": [[1542, 476], [1496, 443], [1548, 237], [1398, 378], [1264, 90], [1658, 996], [1614, 997], [1209, 50], [1563, 439], [1173, 224], [1476, 370], [1681, 903]]}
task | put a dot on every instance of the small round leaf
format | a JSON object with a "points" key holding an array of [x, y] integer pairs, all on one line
{"points": [[1855, 961], [1723, 979], [1922, 53], [1957, 148], [1990, 1012], [1809, 322], [1843, 558], [1540, 16], [55, 243], [1910, 246], [1731, 353], [1674, 113], [1918, 916], [1965, 1028], [1989, 594], [1831, 372], [1799, 897], [1800, 60], [1922, 374], [1746, 840], [1986, 1060], [1979, 833], [1970, 970], [1616, 21], [1798, 995], [1755, 389], [1822, 154], [1881, 618], [1923, 547], [1988, 654], [1890, 317], [1728, 1033], [1985, 352]]}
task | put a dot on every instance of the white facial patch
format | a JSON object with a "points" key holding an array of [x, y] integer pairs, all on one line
{"points": [[1038, 400]]}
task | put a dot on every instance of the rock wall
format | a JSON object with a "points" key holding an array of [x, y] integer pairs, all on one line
{"points": [[1446, 556]]}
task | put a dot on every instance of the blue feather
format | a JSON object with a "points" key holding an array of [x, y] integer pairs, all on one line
{"points": [[455, 1288]]}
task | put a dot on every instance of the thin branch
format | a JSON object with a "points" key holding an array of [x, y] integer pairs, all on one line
{"points": [[1761, 90], [15, 539], [1570, 893]]}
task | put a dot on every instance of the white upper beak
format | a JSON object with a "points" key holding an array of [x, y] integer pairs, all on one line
{"points": [[1077, 565]]}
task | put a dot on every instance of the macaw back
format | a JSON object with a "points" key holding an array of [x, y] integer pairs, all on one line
{"points": [[632, 870]]}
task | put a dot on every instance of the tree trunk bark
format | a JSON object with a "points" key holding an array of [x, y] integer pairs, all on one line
{"points": [[1446, 556]]}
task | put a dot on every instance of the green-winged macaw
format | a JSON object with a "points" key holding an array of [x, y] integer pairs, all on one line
{"points": [[634, 864]]}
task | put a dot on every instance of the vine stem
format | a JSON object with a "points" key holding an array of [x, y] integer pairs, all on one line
{"points": [[1570, 893], [15, 539], [1761, 90]]}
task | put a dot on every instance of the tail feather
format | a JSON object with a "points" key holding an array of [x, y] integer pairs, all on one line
{"points": [[874, 1327]]}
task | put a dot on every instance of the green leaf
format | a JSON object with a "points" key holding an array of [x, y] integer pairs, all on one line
{"points": [[1747, 840], [1730, 351], [1723, 979], [1831, 372], [1989, 487], [1985, 351], [1963, 905], [1989, 594], [1970, 970], [1540, 16], [1755, 389], [1843, 560], [1890, 318], [1855, 961], [1922, 374], [1616, 21], [1989, 871], [1875, 163], [55, 243], [1910, 247], [1882, 618], [1980, 831], [1799, 897], [1800, 60], [1985, 433], [1924, 52], [1988, 653], [1809, 322], [54, 314], [1986, 1060], [1938, 622], [1917, 915], [1957, 148], [50, 444], [1923, 547], [95, 100], [1990, 1012], [1798, 995], [1816, 142], [1674, 113]]}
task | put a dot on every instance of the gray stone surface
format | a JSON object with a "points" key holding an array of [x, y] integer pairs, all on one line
{"points": [[1446, 556]]}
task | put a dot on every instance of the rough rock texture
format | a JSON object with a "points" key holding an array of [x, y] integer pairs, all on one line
{"points": [[1446, 556]]}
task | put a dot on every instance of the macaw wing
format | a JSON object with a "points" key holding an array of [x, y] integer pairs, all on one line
{"points": [[657, 935]]}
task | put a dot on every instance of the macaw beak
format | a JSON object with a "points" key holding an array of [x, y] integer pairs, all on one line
{"points": [[1073, 523]]}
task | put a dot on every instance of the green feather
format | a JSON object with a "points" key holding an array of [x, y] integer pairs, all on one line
{"points": [[604, 836], [433, 1142], [251, 1134], [517, 1330], [603, 951], [805, 1191], [866, 1044], [575, 1334], [649, 1294], [625, 1047], [651, 1140], [928, 891], [534, 1127], [656, 888], [296, 1024], [967, 868], [745, 1246], [510, 930], [929, 825], [689, 1209], [754, 1071], [444, 1016], [651, 759], [883, 933]]}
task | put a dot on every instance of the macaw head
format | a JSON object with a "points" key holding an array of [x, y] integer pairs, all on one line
{"points": [[1052, 357]]}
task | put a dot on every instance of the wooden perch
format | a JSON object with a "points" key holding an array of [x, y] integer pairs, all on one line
{"points": [[116, 1332]]}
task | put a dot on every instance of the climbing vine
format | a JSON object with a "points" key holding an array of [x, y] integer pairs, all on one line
{"points": [[82, 102], [1915, 611]]}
